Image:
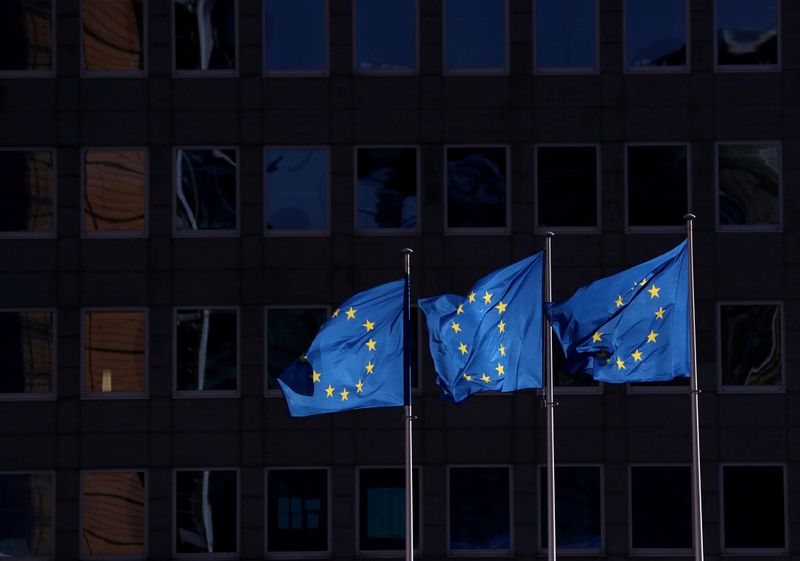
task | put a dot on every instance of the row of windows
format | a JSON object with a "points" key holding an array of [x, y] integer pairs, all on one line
{"points": [[206, 350], [386, 36], [387, 189], [479, 513]]}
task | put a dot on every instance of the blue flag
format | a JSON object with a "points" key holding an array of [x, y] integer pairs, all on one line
{"points": [[356, 359], [491, 339], [629, 327]]}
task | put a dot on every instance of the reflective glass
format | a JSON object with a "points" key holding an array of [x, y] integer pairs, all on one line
{"points": [[475, 35], [297, 189], [295, 36], [566, 183], [749, 186], [113, 352], [114, 191], [206, 511], [661, 507], [297, 510], [753, 507], [747, 32], [381, 508], [205, 34], [26, 515], [480, 510], [113, 513], [657, 185], [386, 35], [655, 33], [26, 35], [476, 187], [206, 350], [750, 339], [566, 34], [26, 204], [579, 516], [387, 187], [205, 189], [26, 352], [113, 35], [289, 334]]}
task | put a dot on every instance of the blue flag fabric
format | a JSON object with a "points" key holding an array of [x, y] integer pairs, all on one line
{"points": [[629, 327], [356, 359], [491, 339]]}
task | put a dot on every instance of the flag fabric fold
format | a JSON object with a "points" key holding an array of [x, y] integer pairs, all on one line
{"points": [[491, 339]]}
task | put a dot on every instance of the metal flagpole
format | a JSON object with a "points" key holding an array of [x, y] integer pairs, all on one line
{"points": [[697, 498], [409, 418], [549, 404]]}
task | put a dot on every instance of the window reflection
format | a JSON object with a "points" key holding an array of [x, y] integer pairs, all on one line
{"points": [[476, 187], [386, 35], [26, 515], [114, 352], [205, 189], [661, 507], [206, 511], [113, 513], [566, 183], [753, 507], [750, 338], [655, 33], [297, 510], [206, 350], [658, 185], [578, 513], [26, 352], [205, 34], [297, 189], [749, 187], [480, 511], [26, 35], [747, 32], [27, 197], [113, 35], [114, 191], [566, 34], [475, 35], [387, 187], [381, 507], [295, 35], [289, 334]]}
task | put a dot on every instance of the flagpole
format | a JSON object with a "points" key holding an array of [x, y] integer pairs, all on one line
{"points": [[549, 404], [409, 417], [697, 498]]}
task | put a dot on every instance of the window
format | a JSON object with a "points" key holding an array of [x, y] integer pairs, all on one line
{"points": [[26, 514], [113, 35], [387, 187], [289, 334], [386, 35], [579, 508], [205, 36], [661, 508], [206, 185], [295, 36], [113, 513], [657, 178], [655, 34], [26, 36], [479, 500], [750, 348], [114, 356], [475, 36], [567, 192], [297, 510], [747, 34], [563, 380], [114, 193], [753, 508], [566, 35], [749, 186], [28, 204], [381, 509], [476, 187], [297, 190], [26, 353], [206, 512], [207, 350]]}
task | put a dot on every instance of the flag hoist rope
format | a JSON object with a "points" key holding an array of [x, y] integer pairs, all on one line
{"points": [[409, 417], [549, 404]]}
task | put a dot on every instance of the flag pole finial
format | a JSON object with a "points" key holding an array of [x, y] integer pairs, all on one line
{"points": [[689, 217]]}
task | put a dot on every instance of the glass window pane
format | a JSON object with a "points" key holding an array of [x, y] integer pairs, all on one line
{"points": [[566, 183], [113, 35], [657, 185], [26, 514], [387, 187], [297, 189], [113, 513], [297, 510], [27, 201], [289, 334], [386, 35], [749, 184], [26, 352], [26, 35], [475, 35], [294, 35], [655, 33], [750, 339], [205, 190], [476, 187], [578, 512], [661, 507], [566, 34], [114, 191], [205, 34], [206, 511], [381, 496], [753, 499], [747, 32], [113, 352], [206, 354], [480, 513]]}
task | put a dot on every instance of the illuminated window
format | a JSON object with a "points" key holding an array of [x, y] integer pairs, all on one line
{"points": [[113, 516], [113, 35], [114, 191], [114, 352]]}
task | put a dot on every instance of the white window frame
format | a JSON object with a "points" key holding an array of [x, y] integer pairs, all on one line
{"points": [[215, 73], [51, 73], [505, 71], [52, 233], [297, 73], [86, 73], [582, 70], [51, 395], [727, 68], [400, 72], [685, 69], [52, 533]]}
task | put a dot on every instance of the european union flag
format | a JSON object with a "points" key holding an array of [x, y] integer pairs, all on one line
{"points": [[632, 326], [491, 339], [356, 359]]}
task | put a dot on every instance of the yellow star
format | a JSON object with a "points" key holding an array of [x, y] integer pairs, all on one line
{"points": [[335, 313], [486, 378], [359, 387], [618, 301], [500, 369], [369, 325], [370, 367], [315, 376], [644, 281], [660, 313], [456, 327], [371, 344], [471, 297], [651, 337], [487, 298], [502, 350], [501, 326], [329, 391], [460, 309], [351, 313], [344, 393], [637, 356], [620, 364], [463, 348], [467, 377], [596, 336], [501, 307], [654, 291]]}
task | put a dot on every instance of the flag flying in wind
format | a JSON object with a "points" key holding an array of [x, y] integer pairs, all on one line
{"points": [[491, 339], [356, 359], [629, 327]]}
